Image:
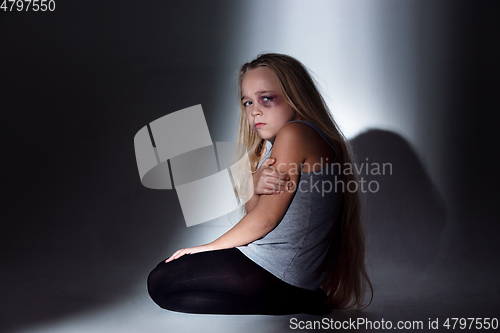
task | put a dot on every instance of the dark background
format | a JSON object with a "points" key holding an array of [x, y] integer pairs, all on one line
{"points": [[79, 230]]}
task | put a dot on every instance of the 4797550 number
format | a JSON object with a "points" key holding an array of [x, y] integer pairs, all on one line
{"points": [[28, 5]]}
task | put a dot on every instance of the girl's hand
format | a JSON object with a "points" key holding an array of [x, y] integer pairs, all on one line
{"points": [[267, 180], [191, 250]]}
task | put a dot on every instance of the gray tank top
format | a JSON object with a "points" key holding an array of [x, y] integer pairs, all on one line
{"points": [[295, 249]]}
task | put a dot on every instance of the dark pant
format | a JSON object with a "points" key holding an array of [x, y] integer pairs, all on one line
{"points": [[227, 282]]}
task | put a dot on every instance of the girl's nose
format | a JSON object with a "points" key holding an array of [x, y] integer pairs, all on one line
{"points": [[256, 110]]}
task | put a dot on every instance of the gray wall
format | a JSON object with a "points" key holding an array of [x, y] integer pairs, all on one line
{"points": [[411, 83]]}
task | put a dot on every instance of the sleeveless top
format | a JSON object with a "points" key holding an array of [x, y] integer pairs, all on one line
{"points": [[294, 250]]}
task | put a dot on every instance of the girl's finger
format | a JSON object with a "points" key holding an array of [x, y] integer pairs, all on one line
{"points": [[173, 256], [280, 175], [269, 161], [285, 177]]}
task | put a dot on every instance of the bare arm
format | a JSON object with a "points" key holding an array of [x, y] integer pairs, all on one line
{"points": [[266, 180], [252, 203], [289, 151]]}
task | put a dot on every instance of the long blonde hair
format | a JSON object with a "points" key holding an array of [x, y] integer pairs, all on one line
{"points": [[347, 280]]}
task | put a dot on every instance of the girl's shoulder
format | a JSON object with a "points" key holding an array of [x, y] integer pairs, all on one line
{"points": [[303, 132], [308, 140], [295, 132]]}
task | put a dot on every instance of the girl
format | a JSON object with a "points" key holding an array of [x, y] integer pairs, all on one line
{"points": [[300, 247]]}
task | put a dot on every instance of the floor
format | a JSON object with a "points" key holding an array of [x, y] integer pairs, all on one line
{"points": [[402, 293]]}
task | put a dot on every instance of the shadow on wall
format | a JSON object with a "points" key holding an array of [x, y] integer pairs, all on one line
{"points": [[405, 217], [109, 256]]}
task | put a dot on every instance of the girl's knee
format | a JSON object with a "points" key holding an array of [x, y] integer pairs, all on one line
{"points": [[157, 282]]}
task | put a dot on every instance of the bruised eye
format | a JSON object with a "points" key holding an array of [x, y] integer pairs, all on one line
{"points": [[267, 98]]}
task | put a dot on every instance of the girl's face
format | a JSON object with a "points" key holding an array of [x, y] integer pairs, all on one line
{"points": [[266, 108]]}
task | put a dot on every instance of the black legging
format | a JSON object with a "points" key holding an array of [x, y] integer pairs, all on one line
{"points": [[227, 282]]}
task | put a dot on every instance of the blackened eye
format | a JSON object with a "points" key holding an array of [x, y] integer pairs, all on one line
{"points": [[267, 98]]}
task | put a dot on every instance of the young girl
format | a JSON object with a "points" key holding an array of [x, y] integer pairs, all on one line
{"points": [[300, 247]]}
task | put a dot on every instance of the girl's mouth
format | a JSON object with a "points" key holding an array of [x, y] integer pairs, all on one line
{"points": [[259, 125]]}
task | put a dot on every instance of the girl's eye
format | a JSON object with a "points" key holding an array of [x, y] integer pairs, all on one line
{"points": [[247, 103], [267, 98]]}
